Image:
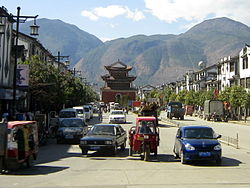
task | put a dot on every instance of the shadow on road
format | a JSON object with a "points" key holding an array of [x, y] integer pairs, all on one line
{"points": [[37, 170], [54, 152], [226, 162]]}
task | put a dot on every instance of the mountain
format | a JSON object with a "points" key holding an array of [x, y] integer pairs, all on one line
{"points": [[155, 59], [162, 58], [57, 35]]}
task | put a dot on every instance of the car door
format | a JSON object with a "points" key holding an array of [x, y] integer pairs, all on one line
{"points": [[123, 134], [119, 136]]}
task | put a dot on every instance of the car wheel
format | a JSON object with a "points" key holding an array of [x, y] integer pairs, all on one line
{"points": [[1, 163], [176, 153], [156, 152], [114, 150], [146, 154], [130, 151], [84, 151], [218, 161], [183, 161], [123, 146], [30, 161], [58, 141]]}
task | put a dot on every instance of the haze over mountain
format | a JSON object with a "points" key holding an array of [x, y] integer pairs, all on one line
{"points": [[155, 59]]}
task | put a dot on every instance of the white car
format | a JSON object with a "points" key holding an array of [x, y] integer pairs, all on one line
{"points": [[80, 112], [87, 113], [117, 116]]}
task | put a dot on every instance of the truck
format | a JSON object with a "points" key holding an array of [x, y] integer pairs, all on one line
{"points": [[214, 110], [175, 109]]}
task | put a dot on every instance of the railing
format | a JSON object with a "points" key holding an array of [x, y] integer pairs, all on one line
{"points": [[231, 141]]}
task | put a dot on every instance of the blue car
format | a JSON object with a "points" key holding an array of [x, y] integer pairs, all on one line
{"points": [[196, 143]]}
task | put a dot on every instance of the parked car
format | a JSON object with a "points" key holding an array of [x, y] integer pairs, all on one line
{"points": [[195, 143], [87, 113], [71, 129], [175, 109], [104, 137], [117, 116]]}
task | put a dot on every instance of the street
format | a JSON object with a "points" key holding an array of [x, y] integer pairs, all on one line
{"points": [[62, 165]]}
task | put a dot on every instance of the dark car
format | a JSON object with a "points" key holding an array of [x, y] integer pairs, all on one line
{"points": [[195, 143], [175, 109], [71, 129], [104, 137]]}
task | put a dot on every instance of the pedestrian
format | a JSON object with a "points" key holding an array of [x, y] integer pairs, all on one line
{"points": [[100, 115]]}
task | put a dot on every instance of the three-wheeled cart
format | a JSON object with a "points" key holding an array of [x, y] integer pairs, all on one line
{"points": [[144, 137], [22, 144]]}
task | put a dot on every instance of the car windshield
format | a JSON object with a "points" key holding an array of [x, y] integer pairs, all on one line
{"points": [[102, 130], [72, 123], [67, 114], [117, 112], [86, 109], [79, 111], [199, 133], [145, 130]]}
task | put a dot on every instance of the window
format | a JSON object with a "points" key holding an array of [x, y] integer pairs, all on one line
{"points": [[231, 66], [248, 82], [245, 62]]}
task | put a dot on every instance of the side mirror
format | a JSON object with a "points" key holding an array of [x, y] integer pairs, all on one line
{"points": [[218, 136]]}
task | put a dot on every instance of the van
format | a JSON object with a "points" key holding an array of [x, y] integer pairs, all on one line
{"points": [[80, 112], [87, 113], [68, 113]]}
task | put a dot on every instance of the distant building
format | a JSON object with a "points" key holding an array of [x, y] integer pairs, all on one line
{"points": [[244, 67], [144, 91], [228, 72], [118, 83]]}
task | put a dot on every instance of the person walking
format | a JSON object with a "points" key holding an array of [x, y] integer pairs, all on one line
{"points": [[100, 115]]}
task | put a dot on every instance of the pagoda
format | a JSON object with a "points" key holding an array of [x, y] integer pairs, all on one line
{"points": [[118, 83]]}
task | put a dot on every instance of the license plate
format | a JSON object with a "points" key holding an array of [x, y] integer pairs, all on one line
{"points": [[204, 154], [69, 136], [94, 148]]}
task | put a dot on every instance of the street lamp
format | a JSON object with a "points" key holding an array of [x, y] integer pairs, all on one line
{"points": [[34, 31]]}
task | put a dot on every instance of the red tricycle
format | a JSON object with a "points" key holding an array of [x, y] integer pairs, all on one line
{"points": [[144, 137], [21, 144]]}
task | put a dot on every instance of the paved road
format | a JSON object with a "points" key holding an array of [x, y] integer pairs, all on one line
{"points": [[227, 129], [63, 166]]}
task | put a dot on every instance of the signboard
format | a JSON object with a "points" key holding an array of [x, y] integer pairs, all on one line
{"points": [[22, 74], [136, 103]]}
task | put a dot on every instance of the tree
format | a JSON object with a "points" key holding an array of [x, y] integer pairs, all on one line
{"points": [[51, 89]]}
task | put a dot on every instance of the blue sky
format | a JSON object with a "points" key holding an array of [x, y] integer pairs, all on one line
{"points": [[111, 19]]}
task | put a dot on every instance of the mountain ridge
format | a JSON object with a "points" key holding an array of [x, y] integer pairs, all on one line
{"points": [[156, 59]]}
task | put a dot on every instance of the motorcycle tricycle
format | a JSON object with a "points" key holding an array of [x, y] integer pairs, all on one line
{"points": [[21, 145], [144, 137]]}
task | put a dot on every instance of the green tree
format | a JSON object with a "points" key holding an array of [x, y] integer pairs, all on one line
{"points": [[51, 89], [181, 96]]}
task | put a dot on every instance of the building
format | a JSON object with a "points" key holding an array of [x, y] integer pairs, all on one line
{"points": [[118, 83], [228, 72], [6, 61], [244, 67], [144, 91]]}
